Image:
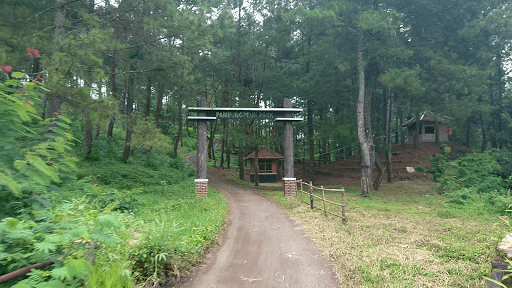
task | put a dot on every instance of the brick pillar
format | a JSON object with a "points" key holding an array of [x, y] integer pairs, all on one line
{"points": [[290, 186], [202, 187]]}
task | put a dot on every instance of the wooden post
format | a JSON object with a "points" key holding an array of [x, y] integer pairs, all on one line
{"points": [[311, 193], [301, 189], [343, 205], [323, 198], [202, 177], [289, 183]]}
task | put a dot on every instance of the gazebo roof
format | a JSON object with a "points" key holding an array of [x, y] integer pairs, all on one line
{"points": [[428, 116], [264, 153]]}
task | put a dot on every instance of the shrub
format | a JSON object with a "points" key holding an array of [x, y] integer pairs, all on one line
{"points": [[479, 170], [420, 168]]}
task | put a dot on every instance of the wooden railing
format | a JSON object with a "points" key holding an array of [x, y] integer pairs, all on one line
{"points": [[312, 196]]}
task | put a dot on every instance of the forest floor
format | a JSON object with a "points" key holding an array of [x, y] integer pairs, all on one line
{"points": [[347, 172], [261, 246]]}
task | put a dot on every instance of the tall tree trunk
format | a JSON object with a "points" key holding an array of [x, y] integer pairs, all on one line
{"points": [[368, 130], [499, 82], [380, 174], [113, 91], [363, 140], [401, 126], [311, 141], [389, 135], [97, 132], [148, 99], [56, 99], [180, 128], [223, 143], [129, 124], [159, 101], [211, 143], [417, 132], [228, 153], [484, 135], [87, 143], [110, 130]]}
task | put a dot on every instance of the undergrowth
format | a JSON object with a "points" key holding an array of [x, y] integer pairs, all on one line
{"points": [[104, 222]]}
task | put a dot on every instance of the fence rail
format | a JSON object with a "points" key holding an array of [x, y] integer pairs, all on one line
{"points": [[312, 196]]}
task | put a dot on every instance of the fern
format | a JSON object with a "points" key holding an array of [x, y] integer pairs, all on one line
{"points": [[61, 274], [45, 247]]}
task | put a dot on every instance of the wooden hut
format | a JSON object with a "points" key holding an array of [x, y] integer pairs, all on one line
{"points": [[267, 165], [432, 128]]}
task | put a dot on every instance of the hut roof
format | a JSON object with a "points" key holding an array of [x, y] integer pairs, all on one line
{"points": [[264, 154], [428, 116]]}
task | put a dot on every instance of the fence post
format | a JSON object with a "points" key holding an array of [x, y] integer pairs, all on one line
{"points": [[343, 205], [323, 197], [311, 193], [301, 191]]}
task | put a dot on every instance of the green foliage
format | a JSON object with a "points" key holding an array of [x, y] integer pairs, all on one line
{"points": [[148, 137], [437, 165], [179, 228], [421, 169], [477, 170], [474, 180], [126, 176], [109, 275], [505, 162], [33, 164]]}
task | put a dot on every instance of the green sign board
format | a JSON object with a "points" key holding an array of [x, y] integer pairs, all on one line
{"points": [[272, 114]]}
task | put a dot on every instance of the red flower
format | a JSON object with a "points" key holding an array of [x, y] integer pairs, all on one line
{"points": [[28, 102], [7, 69], [33, 52]]}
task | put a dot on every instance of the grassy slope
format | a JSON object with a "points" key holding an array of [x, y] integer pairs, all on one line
{"points": [[165, 228], [405, 235]]}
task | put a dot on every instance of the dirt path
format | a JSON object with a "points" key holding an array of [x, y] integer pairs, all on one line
{"points": [[261, 247]]}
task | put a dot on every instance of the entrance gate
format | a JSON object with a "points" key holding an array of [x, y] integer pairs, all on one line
{"points": [[205, 114]]}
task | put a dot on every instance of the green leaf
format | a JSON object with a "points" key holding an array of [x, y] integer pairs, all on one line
{"points": [[18, 75], [495, 282], [61, 273], [45, 247], [10, 184], [108, 221], [78, 268], [103, 237], [40, 165]]}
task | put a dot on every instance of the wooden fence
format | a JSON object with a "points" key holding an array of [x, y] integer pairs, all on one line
{"points": [[312, 196]]}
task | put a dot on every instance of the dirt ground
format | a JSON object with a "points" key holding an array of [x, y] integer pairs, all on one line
{"points": [[347, 172], [261, 247]]}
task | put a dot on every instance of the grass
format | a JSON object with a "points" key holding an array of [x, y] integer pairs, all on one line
{"points": [[165, 229], [405, 235], [179, 226]]}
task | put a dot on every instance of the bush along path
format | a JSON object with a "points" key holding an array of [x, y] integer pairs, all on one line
{"points": [[261, 247]]}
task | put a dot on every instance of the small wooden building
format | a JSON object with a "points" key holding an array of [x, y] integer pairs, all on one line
{"points": [[428, 122], [267, 165]]}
